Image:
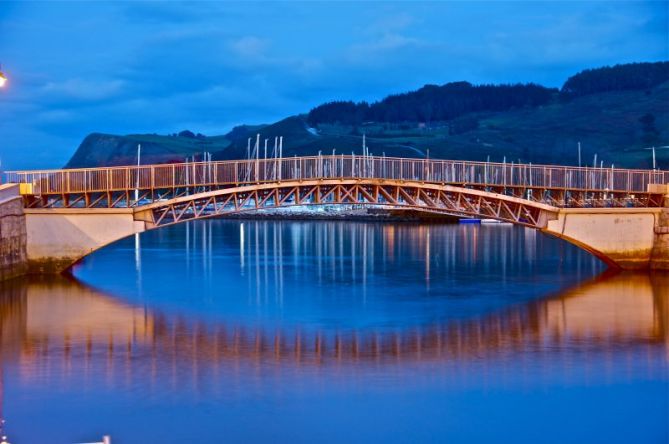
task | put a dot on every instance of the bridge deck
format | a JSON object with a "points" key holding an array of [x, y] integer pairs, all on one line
{"points": [[558, 184]]}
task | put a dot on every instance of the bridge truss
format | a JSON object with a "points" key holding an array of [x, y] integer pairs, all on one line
{"points": [[433, 198]]}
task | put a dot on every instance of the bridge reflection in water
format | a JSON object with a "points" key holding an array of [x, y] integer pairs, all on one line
{"points": [[58, 326]]}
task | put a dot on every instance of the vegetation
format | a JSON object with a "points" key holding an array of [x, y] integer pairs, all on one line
{"points": [[434, 103], [616, 78]]}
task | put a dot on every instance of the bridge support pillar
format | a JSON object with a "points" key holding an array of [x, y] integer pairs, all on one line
{"points": [[59, 237], [627, 238]]}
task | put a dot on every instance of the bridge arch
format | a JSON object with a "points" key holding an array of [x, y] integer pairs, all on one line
{"points": [[58, 238]]}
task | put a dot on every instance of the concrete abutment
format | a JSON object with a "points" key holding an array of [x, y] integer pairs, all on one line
{"points": [[660, 256], [627, 238], [59, 237]]}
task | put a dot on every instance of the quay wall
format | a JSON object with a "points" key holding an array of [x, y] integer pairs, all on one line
{"points": [[13, 238]]}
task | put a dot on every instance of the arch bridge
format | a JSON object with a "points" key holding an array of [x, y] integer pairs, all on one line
{"points": [[620, 215]]}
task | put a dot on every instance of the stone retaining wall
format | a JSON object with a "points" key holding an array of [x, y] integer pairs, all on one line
{"points": [[13, 260]]}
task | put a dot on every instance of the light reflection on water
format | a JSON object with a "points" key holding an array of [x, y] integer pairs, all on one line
{"points": [[291, 329], [336, 274]]}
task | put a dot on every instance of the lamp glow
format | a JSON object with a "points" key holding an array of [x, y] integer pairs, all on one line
{"points": [[3, 80]]}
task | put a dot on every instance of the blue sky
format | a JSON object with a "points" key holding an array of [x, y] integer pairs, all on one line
{"points": [[134, 67]]}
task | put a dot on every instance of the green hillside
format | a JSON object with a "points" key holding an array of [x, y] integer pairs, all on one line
{"points": [[614, 124]]}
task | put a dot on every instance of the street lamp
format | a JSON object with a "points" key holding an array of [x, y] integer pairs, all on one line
{"points": [[3, 78]]}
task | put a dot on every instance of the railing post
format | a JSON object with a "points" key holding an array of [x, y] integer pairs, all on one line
{"points": [[564, 173]]}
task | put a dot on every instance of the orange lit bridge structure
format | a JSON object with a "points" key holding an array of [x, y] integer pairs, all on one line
{"points": [[620, 215]]}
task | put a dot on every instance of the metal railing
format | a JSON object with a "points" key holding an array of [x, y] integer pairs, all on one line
{"points": [[240, 172]]}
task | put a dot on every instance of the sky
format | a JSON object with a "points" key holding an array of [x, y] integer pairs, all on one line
{"points": [[160, 67]]}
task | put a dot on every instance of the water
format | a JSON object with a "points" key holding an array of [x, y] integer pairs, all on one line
{"points": [[231, 331]]}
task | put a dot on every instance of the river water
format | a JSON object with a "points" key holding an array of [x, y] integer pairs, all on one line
{"points": [[290, 331]]}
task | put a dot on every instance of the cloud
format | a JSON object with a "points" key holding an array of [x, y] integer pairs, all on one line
{"points": [[166, 12], [384, 36], [83, 89], [387, 42], [56, 116], [249, 47], [392, 23]]}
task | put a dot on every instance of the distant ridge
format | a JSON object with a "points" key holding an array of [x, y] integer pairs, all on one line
{"points": [[613, 111]]}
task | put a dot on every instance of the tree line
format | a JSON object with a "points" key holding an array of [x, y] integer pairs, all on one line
{"points": [[433, 103], [446, 102], [616, 78]]}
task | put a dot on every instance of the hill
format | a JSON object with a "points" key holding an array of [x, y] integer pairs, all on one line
{"points": [[614, 112]]}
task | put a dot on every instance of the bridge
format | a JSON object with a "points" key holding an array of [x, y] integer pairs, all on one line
{"points": [[619, 215]]}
